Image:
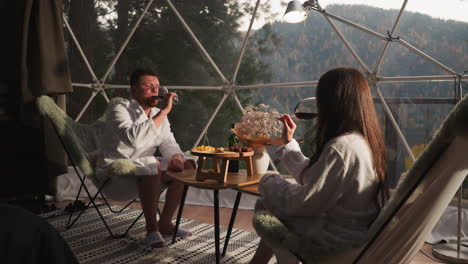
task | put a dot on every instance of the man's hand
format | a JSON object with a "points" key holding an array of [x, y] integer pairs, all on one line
{"points": [[189, 165], [168, 101], [176, 163]]}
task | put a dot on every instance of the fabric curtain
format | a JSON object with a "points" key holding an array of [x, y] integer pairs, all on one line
{"points": [[35, 64]]}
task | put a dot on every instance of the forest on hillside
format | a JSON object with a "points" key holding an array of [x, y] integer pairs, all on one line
{"points": [[276, 53]]}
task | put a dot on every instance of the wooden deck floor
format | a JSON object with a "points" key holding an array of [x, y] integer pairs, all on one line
{"points": [[243, 221]]}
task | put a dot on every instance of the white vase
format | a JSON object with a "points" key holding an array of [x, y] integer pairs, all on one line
{"points": [[260, 161]]}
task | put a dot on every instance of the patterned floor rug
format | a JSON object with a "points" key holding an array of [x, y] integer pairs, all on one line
{"points": [[91, 243]]}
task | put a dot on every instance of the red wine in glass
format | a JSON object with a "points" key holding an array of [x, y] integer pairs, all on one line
{"points": [[306, 109], [305, 116]]}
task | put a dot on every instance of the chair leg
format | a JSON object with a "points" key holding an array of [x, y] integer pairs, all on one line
{"points": [[92, 201], [216, 218], [116, 211], [69, 225], [231, 222], [179, 213], [130, 227], [75, 207], [96, 207]]}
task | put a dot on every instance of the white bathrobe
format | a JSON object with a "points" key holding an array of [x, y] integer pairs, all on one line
{"points": [[130, 134], [335, 202]]}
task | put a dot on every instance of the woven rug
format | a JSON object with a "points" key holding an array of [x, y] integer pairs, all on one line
{"points": [[91, 243]]}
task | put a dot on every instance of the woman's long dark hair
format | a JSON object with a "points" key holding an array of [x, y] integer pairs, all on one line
{"points": [[345, 105]]}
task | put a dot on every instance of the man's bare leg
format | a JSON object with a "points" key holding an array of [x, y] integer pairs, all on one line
{"points": [[173, 197], [149, 189], [263, 254]]}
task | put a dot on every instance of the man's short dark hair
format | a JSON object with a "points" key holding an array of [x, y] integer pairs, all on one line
{"points": [[136, 74]]}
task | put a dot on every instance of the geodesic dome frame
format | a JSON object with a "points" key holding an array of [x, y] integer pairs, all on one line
{"points": [[229, 87]]}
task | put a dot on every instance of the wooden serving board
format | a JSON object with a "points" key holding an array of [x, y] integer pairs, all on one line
{"points": [[221, 163], [224, 154]]}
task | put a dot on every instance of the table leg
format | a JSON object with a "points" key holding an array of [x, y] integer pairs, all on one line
{"points": [[216, 166], [224, 170], [249, 166], [231, 222], [201, 164], [179, 213], [216, 218]]}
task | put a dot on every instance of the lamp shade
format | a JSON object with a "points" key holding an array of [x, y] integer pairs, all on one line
{"points": [[295, 13]]}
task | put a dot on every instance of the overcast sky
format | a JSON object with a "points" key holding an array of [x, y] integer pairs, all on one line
{"points": [[444, 9]]}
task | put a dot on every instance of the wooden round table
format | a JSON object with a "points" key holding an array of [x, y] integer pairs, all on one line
{"points": [[233, 180]]}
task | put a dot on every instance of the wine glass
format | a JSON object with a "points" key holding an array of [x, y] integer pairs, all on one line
{"points": [[306, 110], [162, 93]]}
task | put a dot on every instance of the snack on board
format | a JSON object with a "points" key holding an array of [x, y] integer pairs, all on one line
{"points": [[221, 149], [204, 148], [209, 148]]}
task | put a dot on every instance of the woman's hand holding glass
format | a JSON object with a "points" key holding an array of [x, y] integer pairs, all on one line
{"points": [[288, 128]]}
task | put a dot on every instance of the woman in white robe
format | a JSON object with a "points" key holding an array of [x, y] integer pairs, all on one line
{"points": [[339, 191]]}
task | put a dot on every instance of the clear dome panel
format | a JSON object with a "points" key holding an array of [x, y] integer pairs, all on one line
{"points": [[440, 29], [300, 52], [378, 16], [443, 40], [419, 112], [189, 117], [400, 61], [162, 42], [368, 47], [422, 89]]}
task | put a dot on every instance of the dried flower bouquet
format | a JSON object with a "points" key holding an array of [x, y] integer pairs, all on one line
{"points": [[258, 124]]}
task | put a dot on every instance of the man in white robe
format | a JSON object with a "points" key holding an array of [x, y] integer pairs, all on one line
{"points": [[135, 129]]}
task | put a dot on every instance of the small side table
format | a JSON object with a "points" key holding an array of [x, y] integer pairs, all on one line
{"points": [[233, 180]]}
